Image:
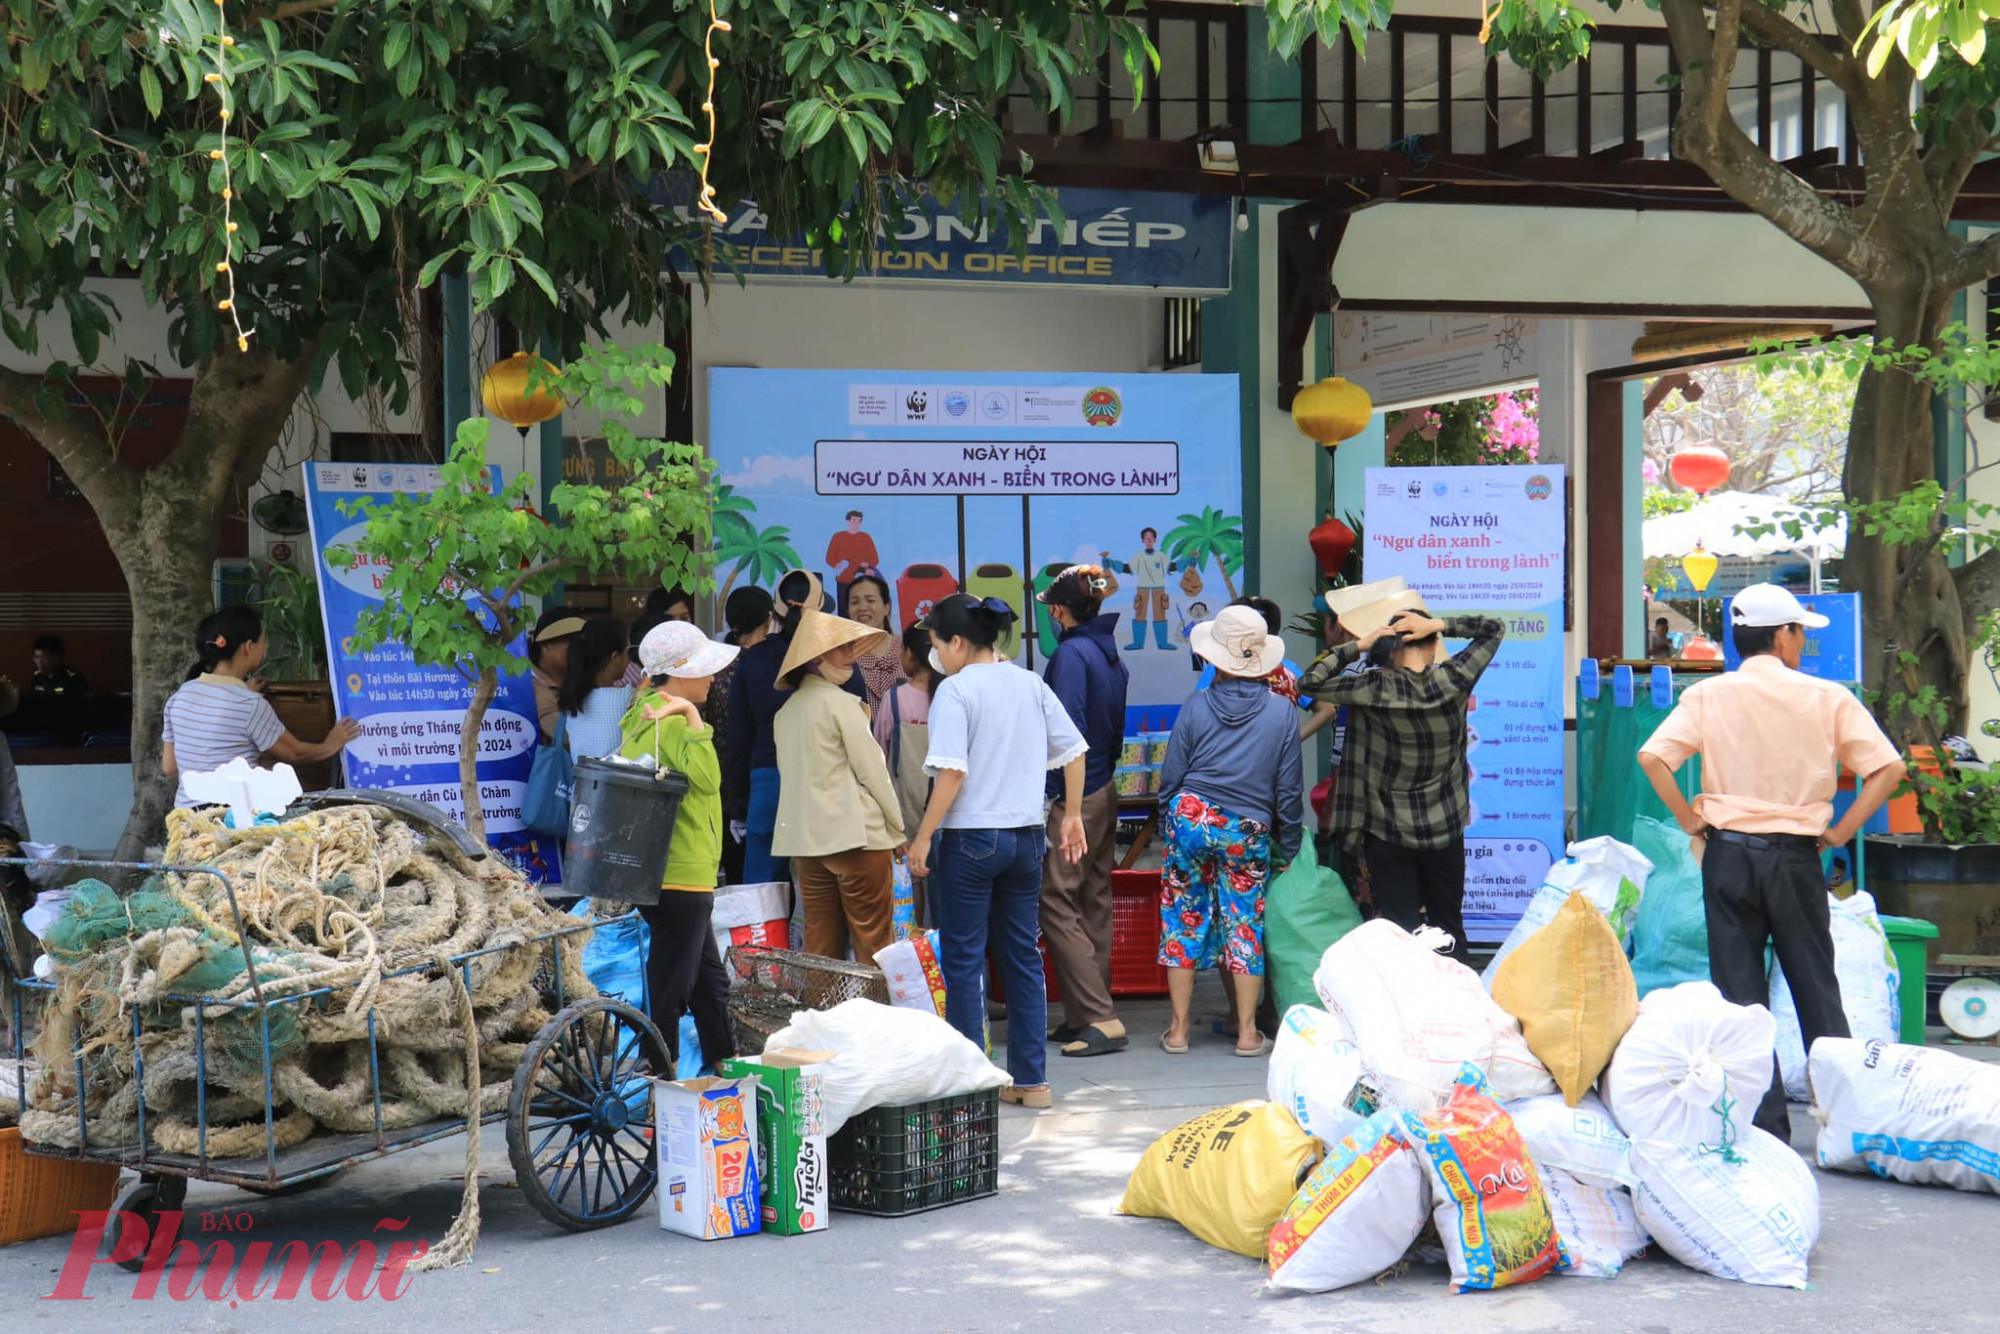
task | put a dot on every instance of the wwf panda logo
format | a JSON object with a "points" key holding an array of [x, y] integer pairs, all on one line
{"points": [[918, 403]]}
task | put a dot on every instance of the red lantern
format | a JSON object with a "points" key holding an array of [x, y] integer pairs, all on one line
{"points": [[1699, 468], [1332, 542]]}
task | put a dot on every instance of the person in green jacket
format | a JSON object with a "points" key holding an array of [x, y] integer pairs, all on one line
{"points": [[664, 728]]}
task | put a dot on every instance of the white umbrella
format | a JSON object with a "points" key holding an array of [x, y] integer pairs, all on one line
{"points": [[1713, 522]]}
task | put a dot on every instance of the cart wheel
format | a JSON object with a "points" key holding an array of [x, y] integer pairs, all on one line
{"points": [[151, 1197], [578, 1122]]}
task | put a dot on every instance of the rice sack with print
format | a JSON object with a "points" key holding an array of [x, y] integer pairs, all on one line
{"points": [[1224, 1176], [1356, 1215], [1491, 1211]]}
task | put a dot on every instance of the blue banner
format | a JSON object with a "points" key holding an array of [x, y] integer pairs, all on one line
{"points": [[1108, 238], [410, 714], [937, 481], [1492, 541], [1831, 654]]}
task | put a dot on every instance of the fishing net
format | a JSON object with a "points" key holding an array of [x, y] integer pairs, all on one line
{"points": [[351, 904]]}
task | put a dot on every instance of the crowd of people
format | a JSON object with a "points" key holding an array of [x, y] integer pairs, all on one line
{"points": [[861, 766]]}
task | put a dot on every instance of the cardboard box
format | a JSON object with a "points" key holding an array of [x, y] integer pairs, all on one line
{"points": [[706, 1133], [791, 1136]]}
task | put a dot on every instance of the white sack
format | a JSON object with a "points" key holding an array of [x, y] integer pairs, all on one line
{"points": [[1356, 1215], [888, 1057], [1866, 969], [1691, 1068], [1314, 1068], [1918, 1114], [1597, 868], [1582, 1141], [1418, 1016], [1754, 1221], [1599, 1227]]}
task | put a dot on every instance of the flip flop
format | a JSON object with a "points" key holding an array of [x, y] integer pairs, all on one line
{"points": [[1170, 1049], [1249, 1053], [1094, 1041], [1064, 1034]]}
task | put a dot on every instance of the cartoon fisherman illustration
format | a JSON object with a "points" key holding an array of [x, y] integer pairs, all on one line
{"points": [[1149, 567]]}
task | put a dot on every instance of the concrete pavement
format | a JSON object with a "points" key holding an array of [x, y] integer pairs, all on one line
{"points": [[1048, 1253]]}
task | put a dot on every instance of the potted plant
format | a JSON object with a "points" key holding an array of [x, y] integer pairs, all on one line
{"points": [[295, 667]]}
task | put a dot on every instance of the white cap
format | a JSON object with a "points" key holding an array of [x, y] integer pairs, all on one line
{"points": [[1762, 606], [680, 649]]}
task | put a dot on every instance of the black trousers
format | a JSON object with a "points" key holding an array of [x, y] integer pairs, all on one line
{"points": [[684, 973], [1777, 895], [1415, 886]]}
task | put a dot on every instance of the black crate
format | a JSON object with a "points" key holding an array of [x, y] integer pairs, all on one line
{"points": [[893, 1161]]}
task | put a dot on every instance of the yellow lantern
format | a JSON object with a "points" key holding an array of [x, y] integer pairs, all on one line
{"points": [[504, 389], [1332, 411], [1699, 567]]}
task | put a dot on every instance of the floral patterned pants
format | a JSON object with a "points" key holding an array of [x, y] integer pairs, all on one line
{"points": [[1212, 888]]}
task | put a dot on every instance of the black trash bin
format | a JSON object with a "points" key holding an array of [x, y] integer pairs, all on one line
{"points": [[621, 827]]}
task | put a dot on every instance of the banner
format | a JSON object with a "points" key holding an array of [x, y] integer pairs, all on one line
{"points": [[1108, 238], [1492, 541], [992, 483], [1408, 360], [410, 714], [1832, 653]]}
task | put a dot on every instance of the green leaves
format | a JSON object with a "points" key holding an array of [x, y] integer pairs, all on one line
{"points": [[1923, 30]]}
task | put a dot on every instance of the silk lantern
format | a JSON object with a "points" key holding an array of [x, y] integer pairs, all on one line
{"points": [[1699, 468], [505, 391], [1332, 411], [1332, 542], [1699, 566]]}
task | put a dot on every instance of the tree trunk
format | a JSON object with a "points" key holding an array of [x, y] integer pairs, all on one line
{"points": [[468, 753], [1909, 601], [1222, 564]]}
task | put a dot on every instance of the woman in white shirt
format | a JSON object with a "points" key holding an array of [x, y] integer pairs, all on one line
{"points": [[593, 696], [995, 730]]}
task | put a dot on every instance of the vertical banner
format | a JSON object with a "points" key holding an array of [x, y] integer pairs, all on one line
{"points": [[410, 714], [942, 481], [1492, 541]]}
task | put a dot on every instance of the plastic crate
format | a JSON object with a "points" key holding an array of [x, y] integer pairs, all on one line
{"points": [[1135, 934], [892, 1161], [39, 1197], [816, 983]]}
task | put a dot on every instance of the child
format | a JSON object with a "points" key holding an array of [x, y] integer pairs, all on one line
{"points": [[664, 728]]}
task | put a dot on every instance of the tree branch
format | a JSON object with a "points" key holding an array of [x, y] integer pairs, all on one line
{"points": [[86, 455], [1721, 60], [1975, 264], [1831, 63]]}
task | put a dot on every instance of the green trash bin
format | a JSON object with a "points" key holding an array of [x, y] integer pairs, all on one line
{"points": [[1906, 937]]}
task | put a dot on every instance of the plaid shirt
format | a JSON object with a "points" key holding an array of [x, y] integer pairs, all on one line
{"points": [[1403, 776]]}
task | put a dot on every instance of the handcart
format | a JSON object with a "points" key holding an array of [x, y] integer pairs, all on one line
{"points": [[577, 1121]]}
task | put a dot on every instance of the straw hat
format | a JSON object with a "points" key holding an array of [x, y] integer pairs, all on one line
{"points": [[819, 634], [1237, 641]]}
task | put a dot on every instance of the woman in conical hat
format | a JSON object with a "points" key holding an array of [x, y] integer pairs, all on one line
{"points": [[839, 819]]}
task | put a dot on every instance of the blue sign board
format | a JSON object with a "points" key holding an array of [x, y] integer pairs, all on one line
{"points": [[1832, 654], [410, 713], [1107, 238]]}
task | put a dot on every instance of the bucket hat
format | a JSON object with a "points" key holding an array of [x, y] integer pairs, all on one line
{"points": [[1238, 642], [680, 649], [820, 634]]}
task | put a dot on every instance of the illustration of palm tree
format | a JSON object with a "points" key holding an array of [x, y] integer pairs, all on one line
{"points": [[1209, 535], [731, 514], [764, 554]]}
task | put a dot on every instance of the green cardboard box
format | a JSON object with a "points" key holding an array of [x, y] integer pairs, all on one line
{"points": [[791, 1136]]}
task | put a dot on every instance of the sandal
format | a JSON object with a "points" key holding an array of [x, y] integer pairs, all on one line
{"points": [[1093, 1040], [1034, 1096], [1251, 1053], [1170, 1049], [1064, 1034]]}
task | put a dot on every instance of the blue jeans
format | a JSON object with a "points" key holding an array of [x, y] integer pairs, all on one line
{"points": [[760, 822], [991, 880]]}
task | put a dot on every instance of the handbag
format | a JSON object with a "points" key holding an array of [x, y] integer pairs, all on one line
{"points": [[551, 785]]}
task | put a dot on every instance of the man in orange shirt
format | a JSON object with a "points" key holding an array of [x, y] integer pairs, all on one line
{"points": [[850, 553], [1771, 741]]}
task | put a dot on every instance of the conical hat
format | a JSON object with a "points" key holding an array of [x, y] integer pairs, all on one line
{"points": [[819, 634], [1341, 601], [1370, 617]]}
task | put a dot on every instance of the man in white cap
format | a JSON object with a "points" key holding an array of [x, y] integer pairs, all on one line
{"points": [[1771, 739]]}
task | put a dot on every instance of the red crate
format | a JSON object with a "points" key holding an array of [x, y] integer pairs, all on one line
{"points": [[1135, 934]]}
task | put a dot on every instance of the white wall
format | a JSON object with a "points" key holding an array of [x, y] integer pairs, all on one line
{"points": [[1289, 495]]}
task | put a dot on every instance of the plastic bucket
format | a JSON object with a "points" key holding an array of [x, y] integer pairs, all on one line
{"points": [[621, 827], [1906, 938]]}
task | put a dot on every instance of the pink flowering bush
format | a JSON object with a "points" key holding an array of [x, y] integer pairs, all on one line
{"points": [[1513, 434]]}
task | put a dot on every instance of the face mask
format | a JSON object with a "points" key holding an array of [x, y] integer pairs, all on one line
{"points": [[937, 663]]}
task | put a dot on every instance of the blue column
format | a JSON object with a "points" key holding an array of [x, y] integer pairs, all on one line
{"points": [[457, 353]]}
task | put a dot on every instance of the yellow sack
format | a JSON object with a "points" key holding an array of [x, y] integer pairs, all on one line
{"points": [[1571, 987], [1225, 1176]]}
